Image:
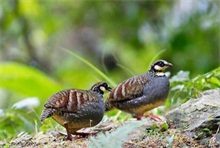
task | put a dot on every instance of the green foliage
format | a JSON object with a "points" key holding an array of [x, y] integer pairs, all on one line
{"points": [[47, 125], [183, 88], [28, 81], [121, 134], [92, 67], [157, 128], [23, 81], [164, 126], [116, 137], [16, 121], [128, 29], [205, 132]]}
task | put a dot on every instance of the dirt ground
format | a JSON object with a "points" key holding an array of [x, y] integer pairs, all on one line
{"points": [[149, 134]]}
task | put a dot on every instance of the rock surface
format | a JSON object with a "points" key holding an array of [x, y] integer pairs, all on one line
{"points": [[198, 118]]}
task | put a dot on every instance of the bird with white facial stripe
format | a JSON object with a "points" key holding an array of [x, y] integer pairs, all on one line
{"points": [[141, 93], [75, 109]]}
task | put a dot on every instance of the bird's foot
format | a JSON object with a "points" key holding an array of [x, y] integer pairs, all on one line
{"points": [[152, 116], [69, 137]]}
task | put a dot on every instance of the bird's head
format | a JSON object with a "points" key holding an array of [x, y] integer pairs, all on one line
{"points": [[159, 67], [100, 87]]}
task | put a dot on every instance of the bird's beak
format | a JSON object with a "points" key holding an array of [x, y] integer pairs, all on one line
{"points": [[109, 88], [169, 64]]}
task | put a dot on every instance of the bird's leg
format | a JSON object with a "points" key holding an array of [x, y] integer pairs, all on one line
{"points": [[69, 136], [154, 117], [138, 117]]}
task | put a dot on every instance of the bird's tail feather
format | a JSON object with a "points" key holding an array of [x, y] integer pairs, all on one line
{"points": [[108, 106], [47, 112]]}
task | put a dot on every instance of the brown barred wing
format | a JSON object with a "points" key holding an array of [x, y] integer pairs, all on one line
{"points": [[70, 100], [58, 100], [128, 89]]}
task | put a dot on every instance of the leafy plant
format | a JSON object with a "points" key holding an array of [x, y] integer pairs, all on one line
{"points": [[116, 137], [183, 88], [27, 81], [17, 120], [23, 81]]}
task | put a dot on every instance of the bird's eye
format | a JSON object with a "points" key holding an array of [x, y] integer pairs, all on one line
{"points": [[96, 89], [105, 85], [161, 64]]}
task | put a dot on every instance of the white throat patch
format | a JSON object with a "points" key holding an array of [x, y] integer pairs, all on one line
{"points": [[103, 88], [160, 73], [158, 68]]}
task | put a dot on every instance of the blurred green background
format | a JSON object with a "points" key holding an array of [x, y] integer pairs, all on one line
{"points": [[120, 38]]}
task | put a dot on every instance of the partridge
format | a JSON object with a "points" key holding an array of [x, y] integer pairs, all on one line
{"points": [[75, 109], [141, 93]]}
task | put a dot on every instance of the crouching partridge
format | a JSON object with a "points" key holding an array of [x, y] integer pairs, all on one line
{"points": [[141, 93], [75, 109]]}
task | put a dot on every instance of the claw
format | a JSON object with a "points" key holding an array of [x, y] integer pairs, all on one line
{"points": [[152, 116]]}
